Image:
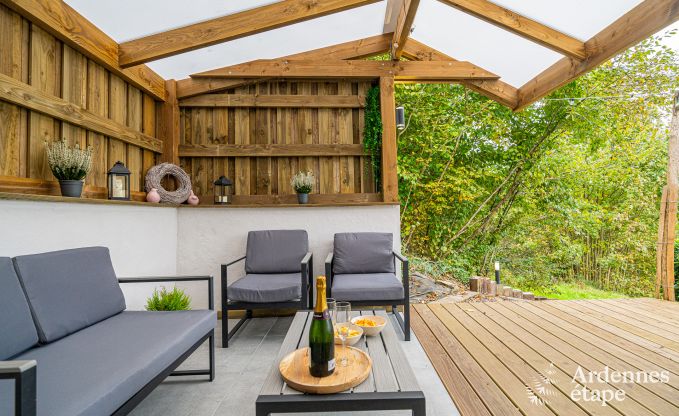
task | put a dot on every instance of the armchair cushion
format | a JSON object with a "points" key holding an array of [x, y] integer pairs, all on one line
{"points": [[266, 288], [69, 290], [361, 253], [16, 323], [373, 286], [275, 251]]}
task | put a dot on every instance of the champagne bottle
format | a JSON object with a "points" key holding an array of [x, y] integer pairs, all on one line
{"points": [[321, 335]]}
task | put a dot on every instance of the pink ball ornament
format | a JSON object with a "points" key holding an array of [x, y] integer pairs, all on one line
{"points": [[193, 199], [153, 196]]}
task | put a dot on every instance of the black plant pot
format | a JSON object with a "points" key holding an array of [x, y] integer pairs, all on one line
{"points": [[303, 198], [71, 188]]}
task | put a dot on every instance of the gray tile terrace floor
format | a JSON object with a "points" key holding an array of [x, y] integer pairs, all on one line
{"points": [[242, 368]]}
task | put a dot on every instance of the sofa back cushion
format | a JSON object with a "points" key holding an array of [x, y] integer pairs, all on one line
{"points": [[358, 253], [69, 290], [17, 330], [275, 251]]}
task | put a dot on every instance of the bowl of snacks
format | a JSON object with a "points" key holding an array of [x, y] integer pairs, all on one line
{"points": [[353, 333], [370, 324]]}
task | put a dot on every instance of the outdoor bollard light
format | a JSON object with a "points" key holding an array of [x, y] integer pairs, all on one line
{"points": [[400, 118], [119, 182], [497, 272], [221, 195]]}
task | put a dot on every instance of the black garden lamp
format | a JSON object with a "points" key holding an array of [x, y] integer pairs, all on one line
{"points": [[400, 118], [221, 194], [119, 182]]}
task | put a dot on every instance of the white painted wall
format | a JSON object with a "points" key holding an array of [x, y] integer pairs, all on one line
{"points": [[142, 240], [211, 236], [152, 241]]}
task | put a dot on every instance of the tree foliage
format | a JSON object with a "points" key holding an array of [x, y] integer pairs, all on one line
{"points": [[565, 190]]}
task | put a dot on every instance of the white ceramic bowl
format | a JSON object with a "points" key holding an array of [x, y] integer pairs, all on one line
{"points": [[379, 321], [350, 340]]}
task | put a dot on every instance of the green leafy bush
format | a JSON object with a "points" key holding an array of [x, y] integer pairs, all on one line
{"points": [[372, 132], [164, 300]]}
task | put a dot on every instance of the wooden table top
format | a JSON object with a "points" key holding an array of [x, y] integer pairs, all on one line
{"points": [[391, 371]]}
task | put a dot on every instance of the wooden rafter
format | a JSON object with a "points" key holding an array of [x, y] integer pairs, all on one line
{"points": [[400, 70], [277, 101], [522, 26], [59, 19], [391, 15], [496, 90], [355, 49], [638, 24], [234, 26], [404, 24]]}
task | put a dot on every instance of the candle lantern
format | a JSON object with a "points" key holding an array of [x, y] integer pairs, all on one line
{"points": [[221, 190], [400, 118], [119, 182]]}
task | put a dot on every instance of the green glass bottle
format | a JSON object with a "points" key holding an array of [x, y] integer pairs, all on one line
{"points": [[321, 335]]}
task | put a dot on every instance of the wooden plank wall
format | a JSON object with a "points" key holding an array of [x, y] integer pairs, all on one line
{"points": [[34, 57], [240, 130]]}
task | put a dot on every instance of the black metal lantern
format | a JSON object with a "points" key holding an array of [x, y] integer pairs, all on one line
{"points": [[400, 118], [221, 194], [119, 182]]}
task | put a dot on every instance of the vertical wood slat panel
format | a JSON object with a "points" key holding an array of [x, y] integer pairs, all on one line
{"points": [[45, 75], [97, 102], [74, 90], [13, 134], [242, 172], [117, 111], [135, 121], [148, 127]]}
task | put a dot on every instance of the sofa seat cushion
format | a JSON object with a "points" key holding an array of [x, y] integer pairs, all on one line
{"points": [[266, 288], [17, 330], [357, 253], [69, 290], [96, 370], [373, 286], [275, 251]]}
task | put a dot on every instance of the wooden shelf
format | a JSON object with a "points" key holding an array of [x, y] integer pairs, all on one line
{"points": [[60, 199]]}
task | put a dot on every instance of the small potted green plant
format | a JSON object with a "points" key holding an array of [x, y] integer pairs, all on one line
{"points": [[303, 183], [168, 300], [69, 165]]}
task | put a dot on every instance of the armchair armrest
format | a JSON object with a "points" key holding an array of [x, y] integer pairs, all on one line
{"points": [[400, 257], [307, 279], [235, 261], [404, 269], [24, 375], [155, 279], [225, 281], [328, 274]]}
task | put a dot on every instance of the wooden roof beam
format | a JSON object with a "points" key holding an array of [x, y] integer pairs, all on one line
{"points": [[522, 26], [233, 26], [404, 25], [354, 49], [638, 24], [391, 15], [326, 68], [496, 90], [67, 25]]}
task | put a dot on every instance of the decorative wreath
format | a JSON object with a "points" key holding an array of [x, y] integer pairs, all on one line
{"points": [[158, 172]]}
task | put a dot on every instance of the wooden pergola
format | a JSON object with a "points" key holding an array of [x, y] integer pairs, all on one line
{"points": [[412, 61]]}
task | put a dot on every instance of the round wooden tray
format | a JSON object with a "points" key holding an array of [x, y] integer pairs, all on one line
{"points": [[294, 369]]}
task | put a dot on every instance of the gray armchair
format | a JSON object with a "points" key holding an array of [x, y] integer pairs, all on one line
{"points": [[362, 270], [278, 275]]}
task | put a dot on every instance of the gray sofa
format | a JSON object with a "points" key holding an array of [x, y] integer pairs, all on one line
{"points": [[68, 346]]}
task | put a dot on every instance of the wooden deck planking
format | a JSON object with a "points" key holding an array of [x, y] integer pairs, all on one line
{"points": [[489, 354]]}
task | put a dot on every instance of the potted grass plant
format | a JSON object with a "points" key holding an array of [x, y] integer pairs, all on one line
{"points": [[303, 183], [70, 165], [168, 300]]}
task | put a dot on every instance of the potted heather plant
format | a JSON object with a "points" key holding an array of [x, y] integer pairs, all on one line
{"points": [[303, 183], [69, 165]]}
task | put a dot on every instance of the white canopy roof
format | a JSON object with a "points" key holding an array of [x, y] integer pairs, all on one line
{"points": [[458, 34]]}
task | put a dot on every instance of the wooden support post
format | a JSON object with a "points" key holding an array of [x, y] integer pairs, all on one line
{"points": [[389, 148], [668, 213], [168, 124]]}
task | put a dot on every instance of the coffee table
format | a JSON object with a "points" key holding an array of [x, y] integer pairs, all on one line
{"points": [[391, 384]]}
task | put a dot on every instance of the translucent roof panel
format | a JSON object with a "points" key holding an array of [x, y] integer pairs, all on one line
{"points": [[312, 34], [515, 59], [581, 19], [125, 20]]}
